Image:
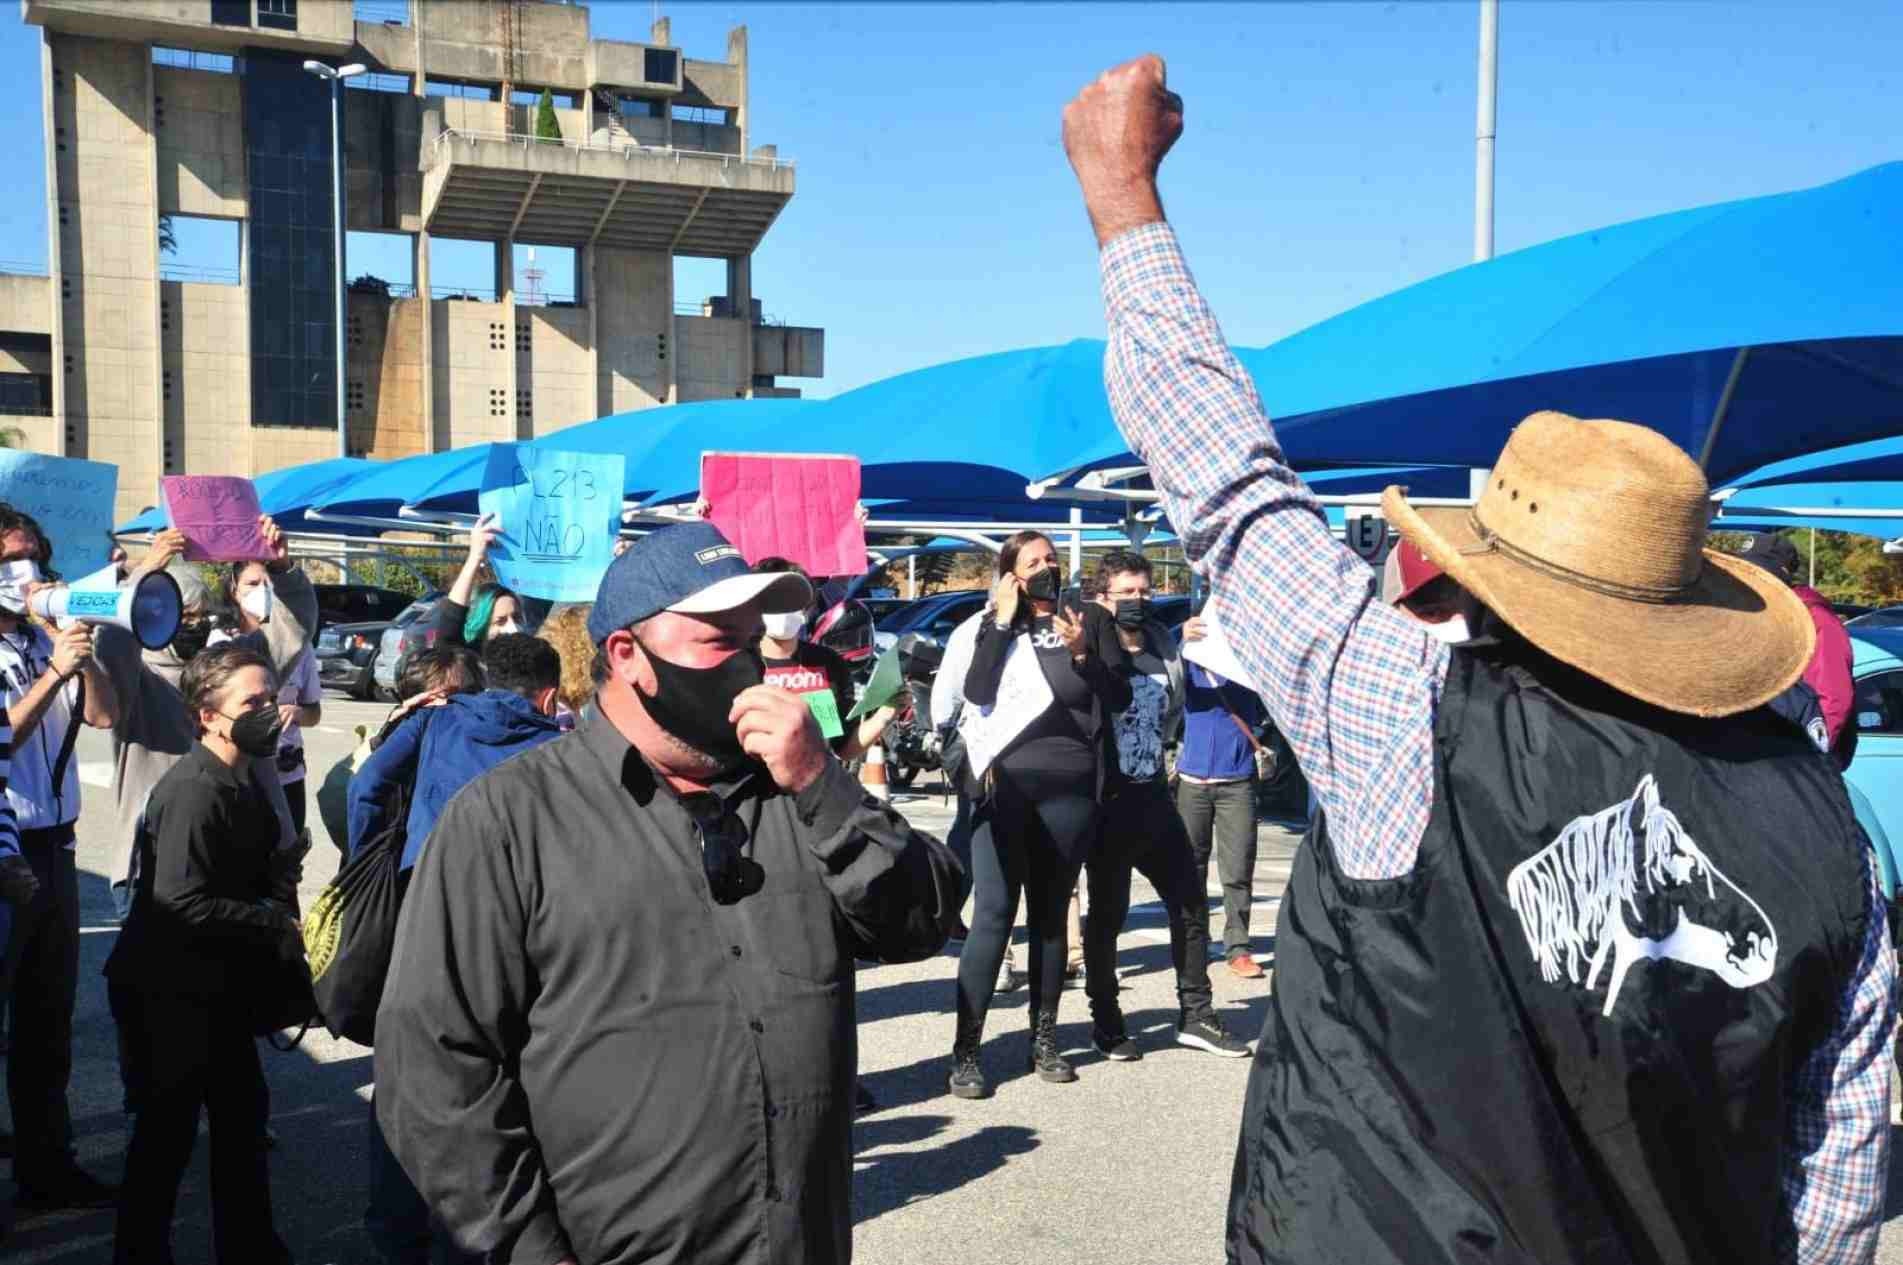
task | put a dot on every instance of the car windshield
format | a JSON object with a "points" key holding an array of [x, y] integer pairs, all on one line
{"points": [[413, 612], [926, 611], [1888, 617]]}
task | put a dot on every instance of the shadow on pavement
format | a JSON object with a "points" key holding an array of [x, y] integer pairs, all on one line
{"points": [[883, 1182]]}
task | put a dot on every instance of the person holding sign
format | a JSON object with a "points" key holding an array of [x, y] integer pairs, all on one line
{"points": [[1574, 866], [818, 674], [1038, 693], [250, 596], [475, 611]]}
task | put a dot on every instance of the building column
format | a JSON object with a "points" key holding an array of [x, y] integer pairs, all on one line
{"points": [[671, 387], [740, 304], [152, 315], [737, 57], [426, 328], [505, 295], [55, 265], [585, 281]]}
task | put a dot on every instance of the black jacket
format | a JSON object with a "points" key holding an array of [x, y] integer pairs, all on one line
{"points": [[211, 898]]}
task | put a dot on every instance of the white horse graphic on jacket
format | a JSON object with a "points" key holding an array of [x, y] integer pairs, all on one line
{"points": [[1629, 883]]}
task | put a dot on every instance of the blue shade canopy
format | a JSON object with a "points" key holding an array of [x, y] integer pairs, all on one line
{"points": [[1825, 506], [971, 431], [1642, 321], [285, 495], [1879, 461], [392, 485]]}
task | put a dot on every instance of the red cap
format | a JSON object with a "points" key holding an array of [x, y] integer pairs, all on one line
{"points": [[1416, 570]]}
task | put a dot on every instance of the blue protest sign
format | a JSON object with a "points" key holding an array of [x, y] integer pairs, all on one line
{"points": [[558, 514], [72, 499]]}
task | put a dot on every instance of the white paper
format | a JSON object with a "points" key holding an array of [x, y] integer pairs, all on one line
{"points": [[1023, 695], [1213, 651]]}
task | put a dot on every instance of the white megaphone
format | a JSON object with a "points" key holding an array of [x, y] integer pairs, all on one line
{"points": [[150, 610]]}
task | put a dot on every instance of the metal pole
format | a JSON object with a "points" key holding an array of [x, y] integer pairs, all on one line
{"points": [[337, 218], [1813, 558], [1484, 129]]}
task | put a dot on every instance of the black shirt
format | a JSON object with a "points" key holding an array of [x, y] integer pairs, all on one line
{"points": [[199, 917], [1063, 740], [1135, 734], [580, 1050], [815, 667]]}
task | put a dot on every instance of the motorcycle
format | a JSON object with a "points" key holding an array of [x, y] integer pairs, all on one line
{"points": [[911, 743]]}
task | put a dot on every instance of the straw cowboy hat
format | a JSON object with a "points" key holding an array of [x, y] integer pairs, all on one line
{"points": [[1589, 542]]}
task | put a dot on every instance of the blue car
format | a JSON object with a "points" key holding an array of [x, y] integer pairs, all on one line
{"points": [[1876, 774]]}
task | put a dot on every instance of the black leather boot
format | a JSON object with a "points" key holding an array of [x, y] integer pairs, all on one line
{"points": [[1045, 1060], [967, 1078]]}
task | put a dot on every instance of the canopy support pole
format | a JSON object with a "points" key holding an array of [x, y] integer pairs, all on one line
{"points": [[1724, 407], [1076, 542]]}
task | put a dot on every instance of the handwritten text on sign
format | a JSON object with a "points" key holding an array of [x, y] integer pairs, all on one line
{"points": [[558, 513], [71, 499], [218, 514]]}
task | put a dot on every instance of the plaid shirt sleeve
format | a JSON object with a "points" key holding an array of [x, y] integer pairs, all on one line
{"points": [[1352, 684], [1838, 1142]]}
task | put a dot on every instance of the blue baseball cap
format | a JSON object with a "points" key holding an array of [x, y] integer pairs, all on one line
{"points": [[692, 569]]}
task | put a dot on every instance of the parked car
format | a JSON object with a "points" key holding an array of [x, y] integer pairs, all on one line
{"points": [[412, 629], [1880, 617], [934, 617], [1877, 769], [358, 604], [346, 656], [1848, 611]]}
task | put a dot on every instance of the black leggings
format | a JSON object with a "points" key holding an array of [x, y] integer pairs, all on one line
{"points": [[299, 806], [1034, 847]]}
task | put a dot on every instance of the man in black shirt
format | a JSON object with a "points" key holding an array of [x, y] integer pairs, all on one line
{"points": [[619, 1020], [1142, 830]]}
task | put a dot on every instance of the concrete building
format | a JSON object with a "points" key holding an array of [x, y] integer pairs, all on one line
{"points": [[163, 115]]}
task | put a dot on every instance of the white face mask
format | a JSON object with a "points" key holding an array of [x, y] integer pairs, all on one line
{"points": [[506, 627], [257, 603], [14, 578], [786, 625], [1452, 630]]}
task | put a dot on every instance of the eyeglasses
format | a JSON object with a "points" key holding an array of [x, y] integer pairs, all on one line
{"points": [[732, 875]]}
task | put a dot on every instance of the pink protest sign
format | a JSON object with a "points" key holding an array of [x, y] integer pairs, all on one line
{"points": [[218, 514], [802, 508]]}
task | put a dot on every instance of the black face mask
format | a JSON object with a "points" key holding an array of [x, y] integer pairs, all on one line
{"points": [[692, 703], [1132, 611], [191, 638], [256, 733], [1042, 587]]}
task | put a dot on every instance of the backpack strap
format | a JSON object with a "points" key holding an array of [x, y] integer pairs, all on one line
{"points": [[65, 756]]}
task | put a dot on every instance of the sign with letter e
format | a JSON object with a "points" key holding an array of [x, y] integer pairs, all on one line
{"points": [[557, 515], [1367, 533]]}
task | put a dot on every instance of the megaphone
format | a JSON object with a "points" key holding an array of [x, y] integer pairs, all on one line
{"points": [[150, 610]]}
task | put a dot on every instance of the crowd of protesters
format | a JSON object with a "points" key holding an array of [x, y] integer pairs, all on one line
{"points": [[1577, 839]]}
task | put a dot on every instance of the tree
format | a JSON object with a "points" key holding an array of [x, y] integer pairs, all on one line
{"points": [[168, 237], [547, 126]]}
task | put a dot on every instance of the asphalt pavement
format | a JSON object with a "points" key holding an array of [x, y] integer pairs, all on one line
{"points": [[1130, 1163]]}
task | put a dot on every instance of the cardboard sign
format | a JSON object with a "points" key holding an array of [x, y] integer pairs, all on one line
{"points": [[218, 515], [558, 515], [884, 686], [824, 705], [71, 499], [802, 508]]}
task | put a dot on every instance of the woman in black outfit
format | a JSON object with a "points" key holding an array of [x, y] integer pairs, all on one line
{"points": [[1035, 805], [210, 915]]}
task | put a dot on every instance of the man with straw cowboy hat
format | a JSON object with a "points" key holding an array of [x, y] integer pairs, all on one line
{"points": [[1585, 962]]}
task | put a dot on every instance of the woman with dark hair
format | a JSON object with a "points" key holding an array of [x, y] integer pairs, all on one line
{"points": [[1037, 690], [210, 913], [249, 597], [473, 612]]}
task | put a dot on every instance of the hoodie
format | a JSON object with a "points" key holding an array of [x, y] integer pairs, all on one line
{"points": [[438, 751], [154, 731], [1829, 669]]}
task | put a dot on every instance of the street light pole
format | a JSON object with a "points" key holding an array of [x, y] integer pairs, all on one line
{"points": [[1484, 129], [336, 75]]}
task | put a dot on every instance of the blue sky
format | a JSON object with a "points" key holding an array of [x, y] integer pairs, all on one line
{"points": [[1328, 156]]}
